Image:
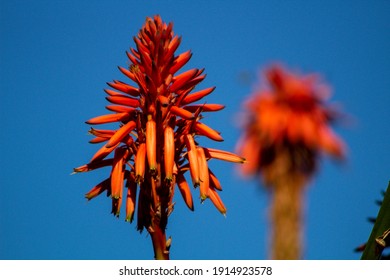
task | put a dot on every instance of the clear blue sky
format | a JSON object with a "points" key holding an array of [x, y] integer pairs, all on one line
{"points": [[55, 58]]}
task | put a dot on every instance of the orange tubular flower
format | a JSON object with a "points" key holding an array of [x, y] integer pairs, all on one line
{"points": [[155, 143], [288, 126]]}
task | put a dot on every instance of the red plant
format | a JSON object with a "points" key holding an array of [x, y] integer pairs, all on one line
{"points": [[290, 114], [155, 144], [288, 126]]}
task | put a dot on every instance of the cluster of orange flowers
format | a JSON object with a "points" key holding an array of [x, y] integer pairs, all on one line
{"points": [[159, 122], [155, 144], [291, 115]]}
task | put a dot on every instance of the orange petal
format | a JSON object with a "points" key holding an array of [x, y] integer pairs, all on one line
{"points": [[250, 149], [135, 53], [331, 143], [151, 144], [191, 84], [139, 77], [120, 109], [101, 132], [123, 87], [169, 152], [114, 93], [192, 159], [116, 206], [184, 190], [223, 155], [121, 134], [93, 165], [182, 79], [308, 129], [293, 129], [130, 198], [197, 95], [98, 189], [205, 130], [214, 182], [109, 118], [164, 101], [140, 163], [124, 100], [216, 200], [132, 58], [180, 61], [117, 173], [146, 62], [103, 152], [203, 174], [97, 140], [140, 46], [181, 113], [204, 107], [127, 73], [172, 47]]}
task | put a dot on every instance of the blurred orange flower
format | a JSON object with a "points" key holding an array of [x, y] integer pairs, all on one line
{"points": [[155, 144], [287, 127], [290, 114]]}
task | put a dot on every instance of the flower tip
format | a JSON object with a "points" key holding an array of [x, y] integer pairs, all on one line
{"points": [[153, 170], [129, 219], [76, 170], [139, 179], [222, 210], [169, 179]]}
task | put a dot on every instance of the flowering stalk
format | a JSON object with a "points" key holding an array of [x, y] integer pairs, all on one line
{"points": [[288, 126], [156, 142]]}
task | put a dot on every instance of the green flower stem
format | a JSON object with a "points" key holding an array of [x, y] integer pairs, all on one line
{"points": [[380, 234]]}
